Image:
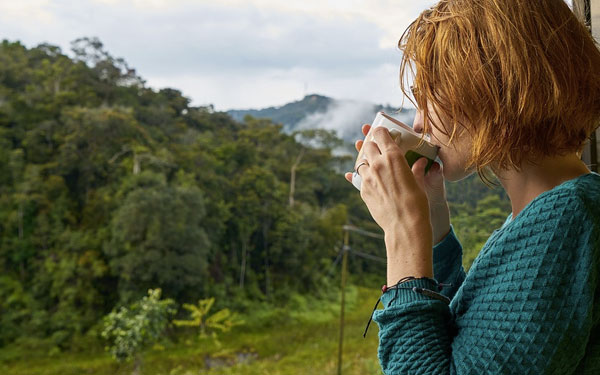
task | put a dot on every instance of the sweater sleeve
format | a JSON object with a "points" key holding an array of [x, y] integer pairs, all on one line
{"points": [[524, 308], [447, 263]]}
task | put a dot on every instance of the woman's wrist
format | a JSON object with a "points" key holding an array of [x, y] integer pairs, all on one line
{"points": [[409, 253]]}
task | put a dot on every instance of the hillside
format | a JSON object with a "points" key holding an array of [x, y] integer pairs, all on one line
{"points": [[109, 188], [289, 114], [321, 112]]}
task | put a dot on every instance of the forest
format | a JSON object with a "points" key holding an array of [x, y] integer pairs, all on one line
{"points": [[109, 188]]}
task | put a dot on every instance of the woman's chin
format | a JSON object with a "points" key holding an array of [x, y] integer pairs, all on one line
{"points": [[448, 175], [453, 174]]}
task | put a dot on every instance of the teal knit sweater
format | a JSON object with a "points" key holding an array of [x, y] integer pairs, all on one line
{"points": [[530, 303]]}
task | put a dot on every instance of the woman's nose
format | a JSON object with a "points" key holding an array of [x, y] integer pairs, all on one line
{"points": [[418, 123], [418, 127]]}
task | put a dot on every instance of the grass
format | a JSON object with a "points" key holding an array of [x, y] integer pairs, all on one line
{"points": [[302, 339]]}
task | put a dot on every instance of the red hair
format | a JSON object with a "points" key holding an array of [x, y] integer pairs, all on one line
{"points": [[522, 77]]}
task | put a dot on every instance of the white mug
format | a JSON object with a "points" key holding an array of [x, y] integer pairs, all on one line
{"points": [[409, 139]]}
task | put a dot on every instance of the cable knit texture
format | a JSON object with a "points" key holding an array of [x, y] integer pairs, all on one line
{"points": [[530, 303]]}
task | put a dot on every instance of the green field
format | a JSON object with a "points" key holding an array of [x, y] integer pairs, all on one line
{"points": [[301, 340]]}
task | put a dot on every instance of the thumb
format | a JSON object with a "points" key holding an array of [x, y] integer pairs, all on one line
{"points": [[418, 170], [435, 176], [434, 183]]}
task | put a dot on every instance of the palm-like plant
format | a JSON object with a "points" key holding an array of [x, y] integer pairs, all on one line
{"points": [[223, 320]]}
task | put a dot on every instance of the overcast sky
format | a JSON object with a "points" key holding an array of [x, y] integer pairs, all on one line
{"points": [[235, 53]]}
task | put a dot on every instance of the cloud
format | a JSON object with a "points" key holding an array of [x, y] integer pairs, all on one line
{"points": [[34, 9], [191, 36], [216, 38], [234, 53], [246, 89], [390, 16], [346, 118]]}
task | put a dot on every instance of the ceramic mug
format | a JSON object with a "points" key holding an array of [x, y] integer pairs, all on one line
{"points": [[408, 139]]}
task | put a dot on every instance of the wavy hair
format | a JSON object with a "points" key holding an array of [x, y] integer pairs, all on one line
{"points": [[522, 77]]}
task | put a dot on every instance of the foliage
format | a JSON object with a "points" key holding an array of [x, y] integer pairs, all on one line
{"points": [[132, 329], [109, 188], [287, 347], [157, 238], [222, 321], [475, 225]]}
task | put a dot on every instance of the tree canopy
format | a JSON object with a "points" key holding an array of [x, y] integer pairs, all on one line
{"points": [[109, 188]]}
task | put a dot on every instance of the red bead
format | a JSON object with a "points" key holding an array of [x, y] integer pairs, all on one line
{"points": [[383, 288]]}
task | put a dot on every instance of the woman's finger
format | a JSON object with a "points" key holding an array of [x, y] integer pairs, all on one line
{"points": [[371, 151], [358, 144], [366, 128]]}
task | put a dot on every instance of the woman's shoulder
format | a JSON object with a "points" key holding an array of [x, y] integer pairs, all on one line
{"points": [[577, 197], [569, 210], [562, 223], [586, 191], [574, 201]]}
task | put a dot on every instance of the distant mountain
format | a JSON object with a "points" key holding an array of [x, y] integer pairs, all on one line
{"points": [[289, 114], [317, 111]]}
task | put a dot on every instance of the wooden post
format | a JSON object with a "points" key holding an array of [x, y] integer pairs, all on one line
{"points": [[345, 250], [347, 229]]}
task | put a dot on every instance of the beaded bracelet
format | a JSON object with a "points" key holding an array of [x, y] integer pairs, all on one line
{"points": [[423, 291]]}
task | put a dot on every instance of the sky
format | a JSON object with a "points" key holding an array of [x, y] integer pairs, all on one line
{"points": [[235, 53]]}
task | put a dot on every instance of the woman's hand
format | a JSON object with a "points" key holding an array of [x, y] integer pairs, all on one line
{"points": [[436, 195], [396, 198]]}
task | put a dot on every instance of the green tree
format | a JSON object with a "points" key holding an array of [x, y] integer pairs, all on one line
{"points": [[158, 238], [130, 330]]}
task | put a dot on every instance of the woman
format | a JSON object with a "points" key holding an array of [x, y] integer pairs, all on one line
{"points": [[510, 87]]}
